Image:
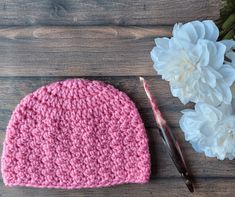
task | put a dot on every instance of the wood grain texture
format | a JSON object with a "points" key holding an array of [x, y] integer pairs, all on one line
{"points": [[84, 51], [12, 90], [162, 166], [43, 41], [105, 12], [156, 188]]}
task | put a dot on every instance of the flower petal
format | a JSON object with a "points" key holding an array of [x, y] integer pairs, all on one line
{"points": [[210, 130], [200, 29], [226, 92], [228, 73], [229, 44], [211, 30], [191, 61], [217, 51], [162, 43], [185, 32], [209, 112], [209, 78]]}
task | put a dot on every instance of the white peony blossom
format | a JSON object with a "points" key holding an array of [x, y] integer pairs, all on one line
{"points": [[230, 57], [193, 62], [202, 70], [230, 51], [195, 30], [210, 130]]}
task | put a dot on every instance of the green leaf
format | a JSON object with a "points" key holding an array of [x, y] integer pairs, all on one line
{"points": [[229, 22], [229, 35]]}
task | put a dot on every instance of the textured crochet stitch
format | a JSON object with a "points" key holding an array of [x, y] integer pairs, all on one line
{"points": [[75, 134]]}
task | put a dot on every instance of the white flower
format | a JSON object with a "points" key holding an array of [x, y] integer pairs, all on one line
{"points": [[210, 130], [230, 51], [230, 57], [195, 30], [192, 61]]}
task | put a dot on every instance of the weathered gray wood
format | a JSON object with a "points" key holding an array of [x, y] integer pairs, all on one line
{"points": [[156, 188], [54, 39], [12, 90], [80, 51], [105, 12], [163, 167]]}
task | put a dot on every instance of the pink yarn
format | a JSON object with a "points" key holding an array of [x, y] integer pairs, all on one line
{"points": [[75, 134]]}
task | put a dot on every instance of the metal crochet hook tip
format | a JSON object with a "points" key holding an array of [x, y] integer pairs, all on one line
{"points": [[188, 182], [175, 153], [190, 186]]}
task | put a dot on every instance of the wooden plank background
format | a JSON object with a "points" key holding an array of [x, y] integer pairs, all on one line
{"points": [[105, 12], [109, 40]]}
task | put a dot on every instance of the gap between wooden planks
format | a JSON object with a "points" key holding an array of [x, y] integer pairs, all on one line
{"points": [[104, 51], [205, 187], [103, 12], [86, 51], [13, 89], [163, 167]]}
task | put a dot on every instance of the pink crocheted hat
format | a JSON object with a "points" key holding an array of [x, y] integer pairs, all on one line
{"points": [[75, 134]]}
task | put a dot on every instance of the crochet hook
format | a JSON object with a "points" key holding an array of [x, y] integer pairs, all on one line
{"points": [[169, 140]]}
